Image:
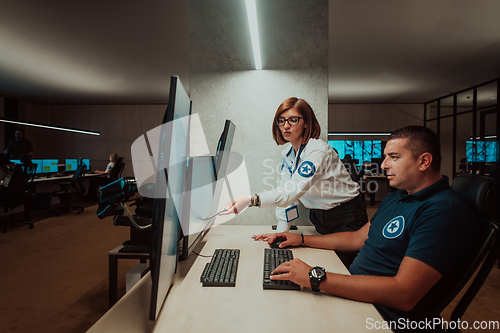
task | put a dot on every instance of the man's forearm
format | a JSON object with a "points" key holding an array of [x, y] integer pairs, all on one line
{"points": [[342, 241], [403, 291], [386, 291], [349, 241]]}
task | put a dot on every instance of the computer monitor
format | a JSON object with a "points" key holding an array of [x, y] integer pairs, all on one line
{"points": [[39, 166], [171, 166], [16, 161], [71, 164], [197, 203], [50, 166], [363, 151], [481, 151], [86, 161], [205, 179]]}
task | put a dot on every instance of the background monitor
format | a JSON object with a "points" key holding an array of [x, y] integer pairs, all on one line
{"points": [[174, 147], [481, 151], [71, 164], [86, 161], [39, 166], [16, 161], [50, 165], [363, 151]]}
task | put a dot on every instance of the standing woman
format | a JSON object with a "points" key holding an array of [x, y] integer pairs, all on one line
{"points": [[312, 173]]}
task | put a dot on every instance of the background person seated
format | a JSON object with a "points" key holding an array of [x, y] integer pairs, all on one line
{"points": [[97, 182], [112, 161]]}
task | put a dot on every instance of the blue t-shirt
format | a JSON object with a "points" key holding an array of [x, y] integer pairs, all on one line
{"points": [[432, 226]]}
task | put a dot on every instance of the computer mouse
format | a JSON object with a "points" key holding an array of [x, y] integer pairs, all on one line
{"points": [[277, 242]]}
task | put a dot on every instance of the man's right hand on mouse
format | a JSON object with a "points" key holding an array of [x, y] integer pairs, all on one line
{"points": [[291, 239]]}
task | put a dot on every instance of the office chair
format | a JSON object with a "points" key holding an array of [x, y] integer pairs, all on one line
{"points": [[28, 166], [17, 194], [478, 192], [70, 190]]}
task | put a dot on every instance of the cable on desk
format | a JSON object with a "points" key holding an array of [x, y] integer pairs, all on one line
{"points": [[202, 255]]}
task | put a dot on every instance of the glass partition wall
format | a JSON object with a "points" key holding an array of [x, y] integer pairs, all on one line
{"points": [[468, 127]]}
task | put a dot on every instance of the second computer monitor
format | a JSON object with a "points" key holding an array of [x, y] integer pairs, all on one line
{"points": [[50, 165], [72, 164], [39, 166]]}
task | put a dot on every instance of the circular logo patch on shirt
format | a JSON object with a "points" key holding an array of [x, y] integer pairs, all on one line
{"points": [[307, 169], [394, 228]]}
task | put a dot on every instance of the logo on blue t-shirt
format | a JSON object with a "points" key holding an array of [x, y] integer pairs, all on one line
{"points": [[394, 228], [307, 169]]}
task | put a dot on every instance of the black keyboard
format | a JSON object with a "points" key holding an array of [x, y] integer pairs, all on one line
{"points": [[134, 249], [272, 259], [221, 270]]}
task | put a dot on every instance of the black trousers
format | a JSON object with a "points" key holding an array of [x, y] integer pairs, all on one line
{"points": [[348, 216]]}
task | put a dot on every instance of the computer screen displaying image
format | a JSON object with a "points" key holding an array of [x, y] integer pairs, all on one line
{"points": [[363, 151], [50, 165], [491, 151], [481, 151], [71, 164], [39, 166], [86, 161], [206, 176]]}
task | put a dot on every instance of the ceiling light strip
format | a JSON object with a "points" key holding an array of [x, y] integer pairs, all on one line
{"points": [[358, 134], [59, 128], [254, 31]]}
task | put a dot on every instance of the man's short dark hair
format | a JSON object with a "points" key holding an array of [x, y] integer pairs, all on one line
{"points": [[420, 140]]}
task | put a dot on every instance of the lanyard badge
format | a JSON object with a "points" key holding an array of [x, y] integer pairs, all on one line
{"points": [[291, 213]]}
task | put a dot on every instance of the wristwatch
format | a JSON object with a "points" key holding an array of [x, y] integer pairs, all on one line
{"points": [[316, 275]]}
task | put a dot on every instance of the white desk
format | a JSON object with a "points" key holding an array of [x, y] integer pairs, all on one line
{"points": [[245, 308]]}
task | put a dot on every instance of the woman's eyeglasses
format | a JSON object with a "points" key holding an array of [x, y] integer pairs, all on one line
{"points": [[293, 120]]}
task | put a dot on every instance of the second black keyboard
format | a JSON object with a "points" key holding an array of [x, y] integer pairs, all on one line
{"points": [[272, 259], [221, 270]]}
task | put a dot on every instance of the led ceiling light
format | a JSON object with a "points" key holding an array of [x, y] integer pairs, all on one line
{"points": [[59, 128], [254, 31], [358, 134]]}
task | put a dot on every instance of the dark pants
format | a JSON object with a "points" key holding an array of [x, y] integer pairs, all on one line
{"points": [[94, 184], [348, 216]]}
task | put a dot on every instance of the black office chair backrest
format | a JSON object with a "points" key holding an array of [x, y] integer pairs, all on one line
{"points": [[76, 180], [476, 192], [479, 194], [18, 183], [30, 171]]}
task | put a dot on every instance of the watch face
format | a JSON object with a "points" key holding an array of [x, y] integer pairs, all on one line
{"points": [[317, 272]]}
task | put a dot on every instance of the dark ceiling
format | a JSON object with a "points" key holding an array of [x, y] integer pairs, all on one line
{"points": [[103, 52]]}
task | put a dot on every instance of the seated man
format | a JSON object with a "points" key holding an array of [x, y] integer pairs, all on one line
{"points": [[413, 239]]}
